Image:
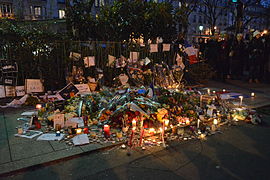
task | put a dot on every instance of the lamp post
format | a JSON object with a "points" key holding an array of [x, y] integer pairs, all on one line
{"points": [[200, 28]]}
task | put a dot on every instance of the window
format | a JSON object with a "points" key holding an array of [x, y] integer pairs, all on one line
{"points": [[194, 18], [99, 3], [37, 11], [200, 19], [5, 10], [61, 13]]}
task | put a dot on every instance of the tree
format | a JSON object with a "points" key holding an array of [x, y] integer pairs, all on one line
{"points": [[213, 12], [186, 7]]}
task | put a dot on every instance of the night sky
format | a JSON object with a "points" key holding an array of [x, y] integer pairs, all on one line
{"points": [[266, 2]]}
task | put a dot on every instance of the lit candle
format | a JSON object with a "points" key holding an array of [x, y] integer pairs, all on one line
{"points": [[151, 131], [134, 123], [187, 122], [119, 134], [198, 124], [214, 92], [85, 131], [107, 132], [166, 121], [131, 136], [57, 133], [79, 131], [241, 100], [208, 91], [252, 94], [224, 90], [215, 122], [38, 106]]}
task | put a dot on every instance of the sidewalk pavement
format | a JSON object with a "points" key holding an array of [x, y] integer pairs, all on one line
{"points": [[19, 153]]}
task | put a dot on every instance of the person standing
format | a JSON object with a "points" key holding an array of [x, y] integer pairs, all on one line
{"points": [[255, 57], [238, 56]]}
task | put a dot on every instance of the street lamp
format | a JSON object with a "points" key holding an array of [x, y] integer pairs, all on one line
{"points": [[200, 28]]}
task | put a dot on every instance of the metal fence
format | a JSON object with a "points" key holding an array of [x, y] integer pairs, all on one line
{"points": [[51, 61]]}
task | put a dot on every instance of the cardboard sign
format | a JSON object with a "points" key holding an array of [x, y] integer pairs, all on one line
{"points": [[33, 85], [75, 56], [83, 88], [9, 67], [111, 60], [166, 47], [20, 90], [153, 48], [2, 91], [65, 92], [89, 61], [59, 119], [10, 91]]}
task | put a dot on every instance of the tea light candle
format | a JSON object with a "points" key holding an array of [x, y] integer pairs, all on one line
{"points": [[106, 129], [57, 133], [241, 100], [252, 94], [214, 92], [151, 131], [166, 121], [223, 90], [85, 130], [20, 130], [79, 131], [38, 106], [187, 122]]}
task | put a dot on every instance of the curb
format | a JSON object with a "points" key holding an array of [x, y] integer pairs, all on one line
{"points": [[36, 166]]}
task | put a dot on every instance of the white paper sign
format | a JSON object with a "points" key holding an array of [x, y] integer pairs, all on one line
{"points": [[59, 119], [89, 61], [78, 120], [33, 85], [20, 91], [179, 61], [2, 91], [153, 48], [30, 134], [111, 59], [10, 91], [134, 56], [83, 88], [123, 79], [50, 137], [147, 61], [80, 139], [166, 47]]}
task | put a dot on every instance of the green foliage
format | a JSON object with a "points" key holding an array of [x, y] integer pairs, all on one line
{"points": [[122, 20]]}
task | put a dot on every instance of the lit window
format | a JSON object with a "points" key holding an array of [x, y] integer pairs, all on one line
{"points": [[99, 3], [37, 11], [61, 13]]}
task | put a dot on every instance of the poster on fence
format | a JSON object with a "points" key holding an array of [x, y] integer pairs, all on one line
{"points": [[83, 88], [134, 56], [10, 91], [20, 91], [153, 48], [166, 47], [75, 56], [2, 91], [111, 60], [33, 85], [89, 61]]}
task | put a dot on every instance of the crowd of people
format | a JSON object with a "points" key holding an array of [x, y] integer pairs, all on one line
{"points": [[239, 57]]}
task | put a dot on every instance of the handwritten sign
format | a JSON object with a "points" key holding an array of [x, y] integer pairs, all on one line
{"points": [[33, 85], [2, 91], [10, 91], [83, 88], [59, 119], [166, 47], [20, 90], [89, 61], [153, 48]]}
